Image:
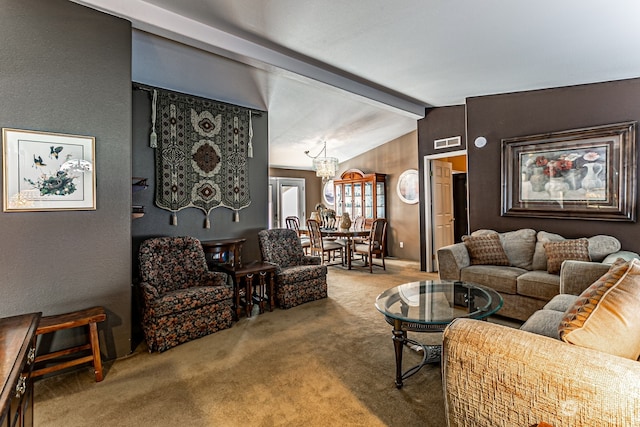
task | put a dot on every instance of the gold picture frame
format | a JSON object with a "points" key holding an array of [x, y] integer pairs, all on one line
{"points": [[44, 171]]}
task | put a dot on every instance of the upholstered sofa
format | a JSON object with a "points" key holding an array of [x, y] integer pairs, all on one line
{"points": [[494, 375], [525, 279]]}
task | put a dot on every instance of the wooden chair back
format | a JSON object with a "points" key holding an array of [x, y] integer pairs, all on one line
{"points": [[293, 223]]}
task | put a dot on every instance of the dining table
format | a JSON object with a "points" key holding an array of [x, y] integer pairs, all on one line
{"points": [[347, 235]]}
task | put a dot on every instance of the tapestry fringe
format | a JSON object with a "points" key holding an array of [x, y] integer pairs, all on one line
{"points": [[250, 144], [236, 216], [153, 139], [174, 219], [207, 223]]}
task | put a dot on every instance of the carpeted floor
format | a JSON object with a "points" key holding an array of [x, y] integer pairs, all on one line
{"points": [[325, 363]]}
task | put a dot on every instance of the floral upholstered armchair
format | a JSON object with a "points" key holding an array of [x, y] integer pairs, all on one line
{"points": [[299, 278], [179, 298]]}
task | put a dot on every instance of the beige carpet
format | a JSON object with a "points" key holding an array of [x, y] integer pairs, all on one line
{"points": [[325, 363]]}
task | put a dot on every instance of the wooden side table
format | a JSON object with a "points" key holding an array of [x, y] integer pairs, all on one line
{"points": [[223, 251], [243, 278]]}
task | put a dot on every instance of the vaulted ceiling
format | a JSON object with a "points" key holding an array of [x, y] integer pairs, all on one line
{"points": [[357, 73]]}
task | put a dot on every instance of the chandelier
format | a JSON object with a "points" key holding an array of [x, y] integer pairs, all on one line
{"points": [[325, 167]]}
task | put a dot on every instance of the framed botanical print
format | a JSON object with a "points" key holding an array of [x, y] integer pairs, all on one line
{"points": [[45, 171]]}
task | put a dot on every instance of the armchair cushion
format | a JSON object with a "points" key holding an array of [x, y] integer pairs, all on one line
{"points": [[558, 252], [188, 299], [486, 250], [605, 316], [298, 273]]}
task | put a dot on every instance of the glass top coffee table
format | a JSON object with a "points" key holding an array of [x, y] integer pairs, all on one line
{"points": [[429, 306]]}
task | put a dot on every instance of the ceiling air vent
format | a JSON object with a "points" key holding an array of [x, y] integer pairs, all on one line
{"points": [[446, 142]]}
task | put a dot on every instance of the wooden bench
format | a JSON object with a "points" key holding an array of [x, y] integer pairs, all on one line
{"points": [[49, 324]]}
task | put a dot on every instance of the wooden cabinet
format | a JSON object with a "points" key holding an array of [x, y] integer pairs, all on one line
{"points": [[361, 194], [18, 344]]}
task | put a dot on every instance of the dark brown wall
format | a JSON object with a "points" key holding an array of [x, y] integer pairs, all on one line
{"points": [[392, 159], [527, 113], [535, 112], [438, 123], [67, 68]]}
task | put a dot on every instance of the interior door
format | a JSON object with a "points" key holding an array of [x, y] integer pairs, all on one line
{"points": [[442, 201]]}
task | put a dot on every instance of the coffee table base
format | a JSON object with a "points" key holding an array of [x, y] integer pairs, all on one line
{"points": [[430, 353]]}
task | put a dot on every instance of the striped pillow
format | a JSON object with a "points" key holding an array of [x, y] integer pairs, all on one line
{"points": [[606, 316], [486, 250]]}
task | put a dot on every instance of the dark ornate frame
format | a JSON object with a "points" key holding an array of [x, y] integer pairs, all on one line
{"points": [[560, 154]]}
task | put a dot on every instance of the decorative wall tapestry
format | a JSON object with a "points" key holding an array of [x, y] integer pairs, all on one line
{"points": [[201, 155]]}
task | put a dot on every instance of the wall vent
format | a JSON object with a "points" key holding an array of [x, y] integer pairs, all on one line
{"points": [[447, 142]]}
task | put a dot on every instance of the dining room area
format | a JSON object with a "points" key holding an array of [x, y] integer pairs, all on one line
{"points": [[340, 242]]}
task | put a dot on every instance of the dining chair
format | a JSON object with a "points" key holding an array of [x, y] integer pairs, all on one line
{"points": [[358, 225], [376, 244], [293, 223], [320, 246]]}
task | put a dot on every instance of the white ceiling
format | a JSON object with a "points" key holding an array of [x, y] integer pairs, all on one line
{"points": [[359, 73]]}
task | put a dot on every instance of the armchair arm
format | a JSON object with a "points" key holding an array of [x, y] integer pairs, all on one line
{"points": [[311, 260], [576, 276], [148, 292], [214, 278], [496, 375], [451, 259]]}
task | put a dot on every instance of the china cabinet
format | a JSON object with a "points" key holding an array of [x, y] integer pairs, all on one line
{"points": [[361, 194]]}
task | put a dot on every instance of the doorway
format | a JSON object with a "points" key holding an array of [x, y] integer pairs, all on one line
{"points": [[444, 202], [286, 198]]}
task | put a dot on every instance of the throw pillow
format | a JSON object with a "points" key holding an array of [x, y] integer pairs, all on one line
{"points": [[557, 252], [519, 245], [605, 317], [539, 257], [600, 246], [485, 250]]}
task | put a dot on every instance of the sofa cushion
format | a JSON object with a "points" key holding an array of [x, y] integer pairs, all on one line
{"points": [[538, 284], [561, 302], [605, 316], [501, 279], [600, 246], [485, 250], [558, 252], [539, 255], [544, 322], [519, 245], [625, 255]]}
